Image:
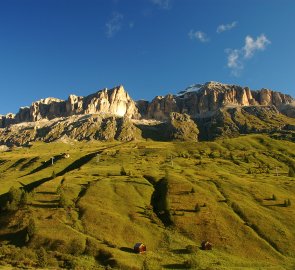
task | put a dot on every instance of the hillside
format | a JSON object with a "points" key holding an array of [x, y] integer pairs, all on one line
{"points": [[97, 199]]}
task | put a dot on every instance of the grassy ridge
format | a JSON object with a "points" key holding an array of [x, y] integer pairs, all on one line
{"points": [[99, 202]]}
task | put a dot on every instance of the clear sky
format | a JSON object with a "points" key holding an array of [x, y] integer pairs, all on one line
{"points": [[53, 48]]}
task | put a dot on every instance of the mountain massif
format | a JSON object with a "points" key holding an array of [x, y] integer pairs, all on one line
{"points": [[216, 110], [204, 179]]}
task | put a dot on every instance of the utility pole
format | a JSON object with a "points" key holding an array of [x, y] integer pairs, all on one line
{"points": [[52, 158]]}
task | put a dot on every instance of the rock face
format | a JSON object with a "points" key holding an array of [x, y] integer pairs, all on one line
{"points": [[182, 128], [115, 102], [77, 127], [204, 99], [231, 122], [214, 109]]}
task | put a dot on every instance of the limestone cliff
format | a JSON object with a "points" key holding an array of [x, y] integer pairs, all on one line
{"points": [[76, 127], [201, 111], [201, 100], [115, 102]]}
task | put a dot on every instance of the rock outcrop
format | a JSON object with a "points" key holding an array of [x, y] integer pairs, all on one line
{"points": [[231, 122], [201, 100], [182, 128], [77, 127], [115, 102], [214, 109]]}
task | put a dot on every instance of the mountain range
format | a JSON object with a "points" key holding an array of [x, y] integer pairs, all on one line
{"points": [[212, 110]]}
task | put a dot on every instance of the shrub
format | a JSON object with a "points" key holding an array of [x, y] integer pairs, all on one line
{"points": [[122, 171], [31, 228], [78, 246], [274, 197], [197, 208], [42, 257], [53, 175], [287, 203], [16, 198], [24, 199], [91, 247]]}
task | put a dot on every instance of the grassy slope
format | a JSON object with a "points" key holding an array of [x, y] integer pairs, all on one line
{"points": [[111, 211]]}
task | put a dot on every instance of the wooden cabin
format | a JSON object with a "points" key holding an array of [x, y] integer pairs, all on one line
{"points": [[206, 245], [139, 248]]}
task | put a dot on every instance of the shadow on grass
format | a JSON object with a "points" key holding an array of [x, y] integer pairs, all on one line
{"points": [[45, 164], [48, 202], [180, 251], [29, 163], [17, 163], [175, 266], [127, 249], [46, 192], [186, 210], [139, 183], [183, 193], [276, 204], [15, 238], [45, 206]]}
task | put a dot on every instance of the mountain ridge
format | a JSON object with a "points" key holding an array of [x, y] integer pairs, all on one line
{"points": [[196, 100], [215, 109]]}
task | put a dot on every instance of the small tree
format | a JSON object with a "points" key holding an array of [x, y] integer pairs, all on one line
{"points": [[42, 257], [14, 199], [193, 190], [287, 203], [197, 208], [24, 199], [122, 171], [53, 175], [31, 228]]}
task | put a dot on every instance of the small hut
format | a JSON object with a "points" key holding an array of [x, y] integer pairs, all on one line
{"points": [[139, 248], [66, 155], [206, 245]]}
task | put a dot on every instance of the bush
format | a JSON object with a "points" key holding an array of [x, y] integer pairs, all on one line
{"points": [[197, 208], [78, 246], [287, 203], [31, 228], [122, 171], [53, 175], [42, 257], [91, 247], [17, 198]]}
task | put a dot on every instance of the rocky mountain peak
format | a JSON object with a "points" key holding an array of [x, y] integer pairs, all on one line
{"points": [[201, 100], [115, 102]]}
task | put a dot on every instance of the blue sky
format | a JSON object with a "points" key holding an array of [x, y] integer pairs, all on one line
{"points": [[152, 47]]}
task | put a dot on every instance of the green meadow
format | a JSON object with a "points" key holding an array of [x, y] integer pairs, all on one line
{"points": [[89, 205]]}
